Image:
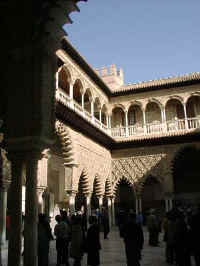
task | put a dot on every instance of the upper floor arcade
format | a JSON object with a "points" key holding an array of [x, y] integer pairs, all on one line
{"points": [[131, 113]]}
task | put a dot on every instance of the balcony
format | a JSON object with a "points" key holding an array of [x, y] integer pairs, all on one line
{"points": [[139, 130]]}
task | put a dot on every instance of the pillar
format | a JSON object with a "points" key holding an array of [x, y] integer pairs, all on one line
{"points": [[144, 121], [72, 196], [109, 211], [14, 245], [126, 123], [71, 96], [139, 204], [88, 207], [92, 108], [100, 118], [170, 204], [164, 124], [57, 79], [107, 121], [113, 210], [185, 116], [31, 211], [100, 198], [166, 205], [40, 191], [82, 101]]}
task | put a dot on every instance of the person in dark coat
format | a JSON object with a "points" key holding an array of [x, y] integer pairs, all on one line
{"points": [[44, 237], [93, 245], [133, 240], [105, 223]]}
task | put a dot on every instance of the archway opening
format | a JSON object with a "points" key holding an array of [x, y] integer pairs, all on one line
{"points": [[186, 175], [125, 196], [153, 113], [152, 195], [77, 91], [118, 117], [135, 116], [64, 79]]}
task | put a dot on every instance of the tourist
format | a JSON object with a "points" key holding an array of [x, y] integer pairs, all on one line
{"points": [[62, 233], [133, 240], [195, 235], [93, 242], [105, 223], [153, 228], [76, 247], [44, 237], [139, 219]]}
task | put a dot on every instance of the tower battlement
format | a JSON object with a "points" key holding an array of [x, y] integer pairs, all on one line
{"points": [[111, 76]]}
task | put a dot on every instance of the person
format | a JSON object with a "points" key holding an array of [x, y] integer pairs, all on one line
{"points": [[105, 223], [195, 236], [44, 237], [153, 228], [139, 219], [76, 247], [93, 245], [133, 240], [62, 233]]}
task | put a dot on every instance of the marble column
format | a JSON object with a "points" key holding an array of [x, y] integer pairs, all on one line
{"points": [[113, 210], [170, 204], [31, 212], [109, 210], [144, 121], [100, 198], [72, 196], [14, 245], [40, 191], [185, 116], [166, 205], [71, 96], [126, 123]]}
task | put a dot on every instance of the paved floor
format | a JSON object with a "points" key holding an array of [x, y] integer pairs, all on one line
{"points": [[113, 253]]}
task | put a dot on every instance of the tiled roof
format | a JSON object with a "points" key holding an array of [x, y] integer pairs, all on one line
{"points": [[195, 76]]}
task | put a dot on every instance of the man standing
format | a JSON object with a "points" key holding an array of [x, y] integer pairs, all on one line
{"points": [[133, 240], [153, 228]]}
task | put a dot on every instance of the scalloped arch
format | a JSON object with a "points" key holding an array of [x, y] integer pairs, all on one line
{"points": [[118, 106], [116, 184]]}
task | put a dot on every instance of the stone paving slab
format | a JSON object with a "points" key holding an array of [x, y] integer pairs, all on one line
{"points": [[113, 252]]}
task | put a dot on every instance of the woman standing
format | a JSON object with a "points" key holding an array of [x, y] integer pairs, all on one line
{"points": [[93, 242]]}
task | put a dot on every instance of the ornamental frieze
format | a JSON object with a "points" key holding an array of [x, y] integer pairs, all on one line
{"points": [[136, 169]]}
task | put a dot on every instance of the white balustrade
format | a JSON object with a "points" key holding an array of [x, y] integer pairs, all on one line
{"points": [[137, 129]]}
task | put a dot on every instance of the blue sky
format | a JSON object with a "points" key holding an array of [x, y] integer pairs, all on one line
{"points": [[148, 39]]}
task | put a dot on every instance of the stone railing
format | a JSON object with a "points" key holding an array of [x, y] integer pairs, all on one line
{"points": [[139, 129], [159, 128]]}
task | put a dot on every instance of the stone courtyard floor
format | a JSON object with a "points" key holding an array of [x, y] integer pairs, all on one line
{"points": [[113, 253]]}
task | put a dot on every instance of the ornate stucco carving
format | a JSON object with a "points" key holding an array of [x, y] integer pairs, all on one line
{"points": [[67, 145], [136, 169]]}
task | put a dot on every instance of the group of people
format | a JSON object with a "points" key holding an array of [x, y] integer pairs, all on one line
{"points": [[73, 239], [181, 228]]}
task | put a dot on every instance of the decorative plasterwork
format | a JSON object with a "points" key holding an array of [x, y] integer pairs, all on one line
{"points": [[136, 169], [67, 145]]}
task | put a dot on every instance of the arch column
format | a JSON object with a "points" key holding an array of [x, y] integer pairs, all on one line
{"points": [[164, 126], [42, 179], [71, 94], [72, 196], [185, 116], [100, 199], [88, 206], [144, 121], [126, 123], [113, 210], [31, 210], [109, 201], [14, 244]]}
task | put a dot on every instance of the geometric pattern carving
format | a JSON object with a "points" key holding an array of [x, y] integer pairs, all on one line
{"points": [[98, 191], [136, 169], [108, 188], [84, 182]]}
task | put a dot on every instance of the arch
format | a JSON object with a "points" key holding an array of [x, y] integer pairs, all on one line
{"points": [[118, 116], [153, 112], [118, 105], [64, 79], [66, 144], [175, 97], [185, 171], [97, 107], [87, 100], [154, 100], [124, 193], [135, 115], [152, 192], [104, 112], [130, 182], [193, 106], [174, 108], [77, 91]]}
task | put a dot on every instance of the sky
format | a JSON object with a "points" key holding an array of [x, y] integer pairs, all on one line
{"points": [[148, 39]]}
